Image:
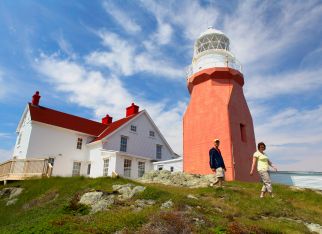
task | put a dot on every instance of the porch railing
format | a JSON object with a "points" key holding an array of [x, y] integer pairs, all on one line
{"points": [[20, 169]]}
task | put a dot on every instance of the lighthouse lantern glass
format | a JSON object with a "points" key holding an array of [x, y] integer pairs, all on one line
{"points": [[212, 41]]}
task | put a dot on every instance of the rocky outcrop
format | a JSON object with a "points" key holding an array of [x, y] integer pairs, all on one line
{"points": [[167, 205], [11, 194], [127, 191], [178, 179], [99, 201]]}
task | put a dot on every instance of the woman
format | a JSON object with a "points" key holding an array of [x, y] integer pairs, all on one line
{"points": [[263, 164]]}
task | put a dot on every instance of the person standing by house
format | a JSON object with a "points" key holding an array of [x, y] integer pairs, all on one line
{"points": [[217, 163], [263, 163]]}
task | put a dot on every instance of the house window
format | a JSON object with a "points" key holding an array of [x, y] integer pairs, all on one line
{"points": [[51, 161], [76, 168], [79, 143], [127, 168], [141, 169], [105, 167], [243, 132], [160, 167], [133, 128], [123, 145], [151, 134], [159, 151], [88, 169], [171, 169]]}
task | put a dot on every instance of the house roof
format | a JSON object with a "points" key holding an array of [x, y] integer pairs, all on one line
{"points": [[64, 120], [113, 126], [76, 123]]}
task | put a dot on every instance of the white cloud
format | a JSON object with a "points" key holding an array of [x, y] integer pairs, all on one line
{"points": [[65, 46], [4, 135], [189, 16], [107, 95], [122, 58], [5, 154], [163, 35], [293, 136], [277, 28], [287, 83], [122, 18]]}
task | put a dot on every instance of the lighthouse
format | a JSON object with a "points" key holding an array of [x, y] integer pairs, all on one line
{"points": [[217, 109]]}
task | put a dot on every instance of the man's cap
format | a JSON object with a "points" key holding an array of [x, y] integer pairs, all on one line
{"points": [[216, 140]]}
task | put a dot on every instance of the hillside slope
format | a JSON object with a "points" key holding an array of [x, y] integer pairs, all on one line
{"points": [[51, 206]]}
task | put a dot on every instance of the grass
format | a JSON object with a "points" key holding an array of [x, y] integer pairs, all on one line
{"points": [[50, 206]]}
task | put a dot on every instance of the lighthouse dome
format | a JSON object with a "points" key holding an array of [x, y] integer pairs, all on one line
{"points": [[211, 39], [212, 50]]}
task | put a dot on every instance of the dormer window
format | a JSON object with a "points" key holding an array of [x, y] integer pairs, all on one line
{"points": [[133, 128], [151, 134], [79, 143]]}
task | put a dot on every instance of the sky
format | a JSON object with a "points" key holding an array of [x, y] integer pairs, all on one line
{"points": [[92, 58]]}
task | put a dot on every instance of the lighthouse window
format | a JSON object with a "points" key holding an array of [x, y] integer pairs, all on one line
{"points": [[243, 132]]}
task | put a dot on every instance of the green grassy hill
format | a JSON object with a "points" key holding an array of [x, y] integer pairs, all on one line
{"points": [[50, 206]]}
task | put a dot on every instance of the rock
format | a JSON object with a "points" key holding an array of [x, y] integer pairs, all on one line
{"points": [[192, 197], [178, 179], [11, 202], [167, 204], [137, 189], [295, 188], [126, 192], [218, 209], [10, 192], [117, 187], [142, 203], [90, 198], [103, 204], [313, 227], [15, 192]]}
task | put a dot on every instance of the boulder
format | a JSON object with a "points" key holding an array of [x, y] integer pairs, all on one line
{"points": [[103, 204], [167, 205], [11, 202], [126, 191], [15, 192], [192, 196], [90, 198]]}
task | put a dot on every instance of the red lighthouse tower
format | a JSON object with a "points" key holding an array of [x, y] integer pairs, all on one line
{"points": [[217, 109]]}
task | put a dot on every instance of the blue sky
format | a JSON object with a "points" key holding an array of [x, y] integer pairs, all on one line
{"points": [[91, 58]]}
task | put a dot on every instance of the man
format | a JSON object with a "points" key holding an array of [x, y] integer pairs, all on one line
{"points": [[216, 162]]}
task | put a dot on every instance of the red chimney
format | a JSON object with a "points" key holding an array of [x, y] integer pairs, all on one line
{"points": [[35, 98], [107, 119], [131, 110]]}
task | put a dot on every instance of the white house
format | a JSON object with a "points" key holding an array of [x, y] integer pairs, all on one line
{"points": [[79, 146]]}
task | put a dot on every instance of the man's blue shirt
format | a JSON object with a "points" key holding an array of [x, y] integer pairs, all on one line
{"points": [[215, 159]]}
